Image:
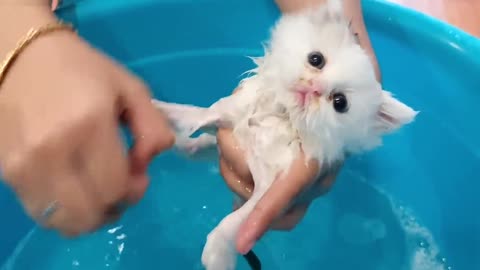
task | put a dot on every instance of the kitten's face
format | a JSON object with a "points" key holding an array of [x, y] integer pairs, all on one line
{"points": [[328, 80]]}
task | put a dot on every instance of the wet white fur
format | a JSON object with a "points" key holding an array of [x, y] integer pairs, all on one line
{"points": [[272, 128]]}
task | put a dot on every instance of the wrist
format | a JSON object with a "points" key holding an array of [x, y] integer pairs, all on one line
{"points": [[352, 11], [16, 20], [25, 2]]}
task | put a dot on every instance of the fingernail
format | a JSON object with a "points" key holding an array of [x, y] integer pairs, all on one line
{"points": [[246, 248], [245, 240], [244, 243]]}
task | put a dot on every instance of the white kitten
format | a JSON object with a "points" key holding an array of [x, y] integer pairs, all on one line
{"points": [[315, 88]]}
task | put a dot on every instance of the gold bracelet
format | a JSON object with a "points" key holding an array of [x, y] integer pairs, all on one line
{"points": [[24, 42]]}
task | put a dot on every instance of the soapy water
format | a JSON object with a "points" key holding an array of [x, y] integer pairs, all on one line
{"points": [[355, 226]]}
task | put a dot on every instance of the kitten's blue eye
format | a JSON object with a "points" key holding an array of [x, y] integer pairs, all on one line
{"points": [[316, 59], [340, 103]]}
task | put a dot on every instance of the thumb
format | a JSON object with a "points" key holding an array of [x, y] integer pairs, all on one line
{"points": [[279, 196], [151, 131]]}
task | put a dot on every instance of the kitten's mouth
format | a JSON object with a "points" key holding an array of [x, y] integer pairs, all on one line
{"points": [[305, 94]]}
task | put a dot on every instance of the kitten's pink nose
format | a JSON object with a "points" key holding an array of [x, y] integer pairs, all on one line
{"points": [[311, 89], [305, 92]]}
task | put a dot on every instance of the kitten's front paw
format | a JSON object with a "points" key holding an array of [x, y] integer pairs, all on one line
{"points": [[191, 146], [186, 119], [219, 253], [188, 146]]}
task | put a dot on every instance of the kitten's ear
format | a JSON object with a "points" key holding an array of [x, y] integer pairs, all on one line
{"points": [[393, 114]]}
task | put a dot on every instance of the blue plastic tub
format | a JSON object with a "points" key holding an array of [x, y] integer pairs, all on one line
{"points": [[412, 204]]}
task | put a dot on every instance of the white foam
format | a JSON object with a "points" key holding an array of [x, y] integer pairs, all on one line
{"points": [[422, 248], [422, 245]]}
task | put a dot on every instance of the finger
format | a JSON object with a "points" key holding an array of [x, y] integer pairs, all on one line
{"points": [[233, 155], [322, 185], [278, 197], [45, 175], [283, 223], [54, 4], [290, 219], [105, 173], [151, 130], [286, 222], [77, 213], [137, 188], [65, 207], [239, 186], [152, 135]]}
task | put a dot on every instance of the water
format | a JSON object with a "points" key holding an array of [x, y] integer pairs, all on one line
{"points": [[356, 226]]}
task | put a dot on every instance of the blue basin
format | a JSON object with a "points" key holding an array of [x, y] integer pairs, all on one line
{"points": [[402, 206]]}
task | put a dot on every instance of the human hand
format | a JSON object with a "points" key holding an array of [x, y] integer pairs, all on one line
{"points": [[60, 109], [309, 187]]}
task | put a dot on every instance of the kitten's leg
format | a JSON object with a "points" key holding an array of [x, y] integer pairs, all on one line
{"points": [[219, 252], [194, 146], [187, 119]]}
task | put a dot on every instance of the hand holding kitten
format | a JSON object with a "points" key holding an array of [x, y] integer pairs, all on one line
{"points": [[303, 184]]}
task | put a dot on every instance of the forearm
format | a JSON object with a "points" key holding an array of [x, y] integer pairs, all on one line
{"points": [[19, 16], [353, 11], [25, 2], [353, 8]]}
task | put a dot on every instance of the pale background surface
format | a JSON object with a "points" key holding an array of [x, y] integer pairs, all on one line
{"points": [[464, 14]]}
